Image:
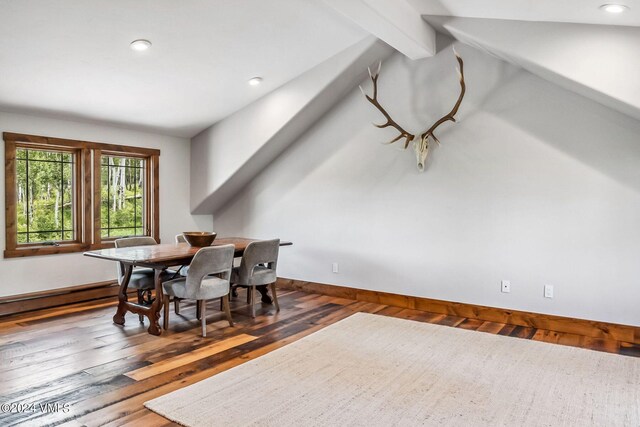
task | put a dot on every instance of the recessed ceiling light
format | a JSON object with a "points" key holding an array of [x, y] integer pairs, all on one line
{"points": [[614, 8], [255, 81], [140, 45]]}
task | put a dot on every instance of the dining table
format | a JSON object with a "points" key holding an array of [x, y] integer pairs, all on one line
{"points": [[158, 257]]}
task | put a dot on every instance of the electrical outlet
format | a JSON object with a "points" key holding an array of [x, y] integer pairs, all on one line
{"points": [[548, 291], [506, 286], [335, 267]]}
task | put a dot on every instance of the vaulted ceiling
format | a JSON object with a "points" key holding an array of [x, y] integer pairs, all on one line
{"points": [[571, 11], [572, 43], [71, 58]]}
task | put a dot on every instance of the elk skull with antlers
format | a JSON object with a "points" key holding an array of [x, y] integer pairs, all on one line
{"points": [[421, 145]]}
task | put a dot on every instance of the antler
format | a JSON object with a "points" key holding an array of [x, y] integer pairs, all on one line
{"points": [[421, 146], [454, 110], [390, 122]]}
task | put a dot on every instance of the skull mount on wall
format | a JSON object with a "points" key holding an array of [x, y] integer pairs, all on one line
{"points": [[420, 145]]}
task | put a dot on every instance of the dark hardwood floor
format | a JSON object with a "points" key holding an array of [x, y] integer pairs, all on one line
{"points": [[103, 373]]}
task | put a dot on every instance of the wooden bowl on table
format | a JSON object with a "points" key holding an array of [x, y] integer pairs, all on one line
{"points": [[199, 239]]}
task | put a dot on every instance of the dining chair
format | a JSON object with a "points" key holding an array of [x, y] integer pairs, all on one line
{"points": [[207, 279], [182, 270], [258, 267], [185, 268], [142, 279]]}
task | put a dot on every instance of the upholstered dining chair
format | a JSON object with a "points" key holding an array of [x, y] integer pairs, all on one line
{"points": [[258, 267], [182, 270], [142, 279], [207, 279], [185, 268]]}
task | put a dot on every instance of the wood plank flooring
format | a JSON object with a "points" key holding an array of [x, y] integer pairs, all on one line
{"points": [[76, 356]]}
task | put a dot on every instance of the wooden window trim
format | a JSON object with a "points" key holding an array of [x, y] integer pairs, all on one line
{"points": [[152, 195], [87, 224], [16, 137]]}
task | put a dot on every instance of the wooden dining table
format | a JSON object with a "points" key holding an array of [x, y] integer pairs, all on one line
{"points": [[159, 258]]}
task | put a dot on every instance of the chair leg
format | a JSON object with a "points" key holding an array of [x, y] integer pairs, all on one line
{"points": [[249, 291], [165, 320], [227, 310], [140, 301], [198, 310], [275, 296], [204, 317], [176, 305], [253, 301]]}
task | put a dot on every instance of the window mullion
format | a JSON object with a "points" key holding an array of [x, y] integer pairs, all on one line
{"points": [[83, 222], [61, 198], [97, 196], [28, 218]]}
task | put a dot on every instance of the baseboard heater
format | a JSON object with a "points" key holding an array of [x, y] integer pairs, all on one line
{"points": [[15, 304]]}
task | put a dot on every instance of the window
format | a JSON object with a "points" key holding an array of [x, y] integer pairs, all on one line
{"points": [[45, 195], [67, 196], [122, 196]]}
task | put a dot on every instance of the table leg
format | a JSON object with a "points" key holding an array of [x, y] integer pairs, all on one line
{"points": [[154, 311], [118, 318]]}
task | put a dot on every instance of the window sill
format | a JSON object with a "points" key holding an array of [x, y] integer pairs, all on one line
{"points": [[28, 251], [64, 248]]}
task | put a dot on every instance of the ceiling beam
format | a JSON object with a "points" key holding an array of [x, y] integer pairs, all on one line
{"points": [[599, 62], [395, 22]]}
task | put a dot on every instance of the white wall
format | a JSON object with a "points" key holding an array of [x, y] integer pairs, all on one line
{"points": [[227, 155], [18, 275], [535, 185]]}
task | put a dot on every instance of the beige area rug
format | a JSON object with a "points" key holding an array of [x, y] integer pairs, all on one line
{"points": [[380, 371]]}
